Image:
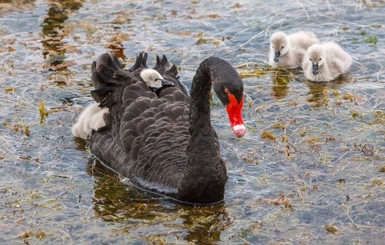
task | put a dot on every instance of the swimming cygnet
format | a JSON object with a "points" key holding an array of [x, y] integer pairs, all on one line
{"points": [[287, 51], [92, 118], [325, 62]]}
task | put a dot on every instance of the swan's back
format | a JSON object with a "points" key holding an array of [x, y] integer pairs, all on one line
{"points": [[148, 133]]}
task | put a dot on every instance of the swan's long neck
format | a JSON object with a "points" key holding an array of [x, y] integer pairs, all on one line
{"points": [[200, 97], [205, 175], [201, 131]]}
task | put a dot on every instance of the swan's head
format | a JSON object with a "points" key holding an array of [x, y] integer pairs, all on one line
{"points": [[317, 57], [229, 88], [154, 80], [279, 42]]}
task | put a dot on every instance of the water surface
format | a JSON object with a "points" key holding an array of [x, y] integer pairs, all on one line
{"points": [[311, 167]]}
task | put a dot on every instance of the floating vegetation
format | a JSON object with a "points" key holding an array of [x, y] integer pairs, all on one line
{"points": [[345, 28], [312, 139], [18, 127], [9, 89], [201, 41], [285, 138], [366, 149], [28, 235], [348, 96], [377, 182], [42, 111], [253, 73], [331, 228], [355, 114], [268, 135], [379, 117], [279, 125], [284, 202], [371, 39]]}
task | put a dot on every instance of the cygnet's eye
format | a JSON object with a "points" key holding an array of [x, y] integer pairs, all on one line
{"points": [[320, 59], [282, 47], [310, 59]]}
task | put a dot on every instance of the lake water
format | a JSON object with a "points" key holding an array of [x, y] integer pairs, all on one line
{"points": [[311, 168]]}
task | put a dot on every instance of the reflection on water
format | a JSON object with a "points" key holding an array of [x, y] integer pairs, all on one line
{"points": [[318, 91], [280, 79], [53, 29], [122, 203]]}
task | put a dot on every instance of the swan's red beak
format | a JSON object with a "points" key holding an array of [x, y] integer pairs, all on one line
{"points": [[234, 112]]}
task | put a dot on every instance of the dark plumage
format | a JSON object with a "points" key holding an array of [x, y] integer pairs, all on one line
{"points": [[165, 143]]}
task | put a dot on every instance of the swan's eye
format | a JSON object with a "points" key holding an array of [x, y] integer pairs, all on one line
{"points": [[310, 59], [320, 59], [282, 47], [226, 90]]}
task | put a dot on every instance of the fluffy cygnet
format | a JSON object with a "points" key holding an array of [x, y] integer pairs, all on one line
{"points": [[154, 80], [325, 62], [92, 118], [287, 51]]}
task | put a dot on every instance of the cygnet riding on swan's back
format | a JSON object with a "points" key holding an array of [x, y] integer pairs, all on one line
{"points": [[287, 51], [325, 62], [95, 118], [165, 142], [154, 80]]}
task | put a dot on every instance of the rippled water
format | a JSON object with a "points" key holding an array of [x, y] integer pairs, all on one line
{"points": [[311, 168]]}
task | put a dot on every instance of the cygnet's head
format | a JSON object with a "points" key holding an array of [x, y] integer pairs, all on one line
{"points": [[152, 78], [279, 42], [317, 57]]}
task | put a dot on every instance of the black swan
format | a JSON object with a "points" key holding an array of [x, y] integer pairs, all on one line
{"points": [[164, 142]]}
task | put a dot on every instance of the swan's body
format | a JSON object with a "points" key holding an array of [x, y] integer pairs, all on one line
{"points": [[92, 118], [287, 51], [165, 143], [325, 62]]}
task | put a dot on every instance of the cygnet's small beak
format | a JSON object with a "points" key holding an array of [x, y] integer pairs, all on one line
{"points": [[315, 69], [166, 83], [277, 54]]}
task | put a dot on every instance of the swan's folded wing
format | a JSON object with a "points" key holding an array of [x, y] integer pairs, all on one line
{"points": [[161, 147]]}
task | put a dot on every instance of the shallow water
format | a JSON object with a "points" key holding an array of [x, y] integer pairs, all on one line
{"points": [[321, 179]]}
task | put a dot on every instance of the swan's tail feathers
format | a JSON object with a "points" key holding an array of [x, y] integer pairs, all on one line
{"points": [[173, 72], [140, 62], [163, 67], [106, 77], [162, 64], [103, 70]]}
